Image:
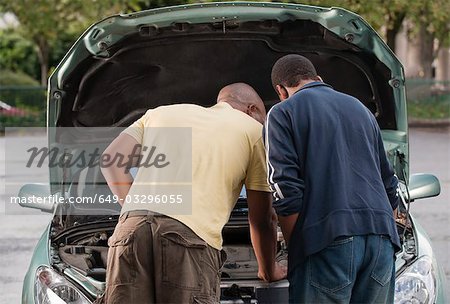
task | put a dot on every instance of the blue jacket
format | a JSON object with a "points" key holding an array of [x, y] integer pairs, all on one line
{"points": [[326, 161]]}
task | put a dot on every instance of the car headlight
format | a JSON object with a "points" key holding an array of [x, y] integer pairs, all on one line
{"points": [[417, 285], [52, 288]]}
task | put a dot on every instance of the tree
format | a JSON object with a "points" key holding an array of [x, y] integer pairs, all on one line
{"points": [[138, 5], [432, 16], [17, 54], [429, 31], [378, 13], [44, 22], [428, 22], [53, 25], [393, 13]]}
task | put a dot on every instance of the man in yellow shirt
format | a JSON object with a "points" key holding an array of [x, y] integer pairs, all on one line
{"points": [[161, 254]]}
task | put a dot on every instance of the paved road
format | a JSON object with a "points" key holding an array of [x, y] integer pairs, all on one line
{"points": [[430, 153]]}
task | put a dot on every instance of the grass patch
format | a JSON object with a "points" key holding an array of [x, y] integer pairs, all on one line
{"points": [[434, 107]]}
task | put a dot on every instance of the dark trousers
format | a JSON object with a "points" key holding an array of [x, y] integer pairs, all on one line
{"points": [[356, 269], [156, 259]]}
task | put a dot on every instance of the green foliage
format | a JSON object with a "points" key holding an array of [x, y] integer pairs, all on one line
{"points": [[138, 5], [433, 107], [8, 78], [45, 23], [20, 54], [434, 16], [428, 99], [32, 119], [45, 20], [390, 15], [25, 97], [20, 90], [49, 27], [17, 54]]}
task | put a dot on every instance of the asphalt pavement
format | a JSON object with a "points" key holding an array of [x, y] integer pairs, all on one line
{"points": [[429, 153]]}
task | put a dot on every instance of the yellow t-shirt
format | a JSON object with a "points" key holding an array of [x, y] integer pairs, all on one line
{"points": [[227, 152]]}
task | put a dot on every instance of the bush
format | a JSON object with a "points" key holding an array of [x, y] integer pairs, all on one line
{"points": [[20, 90], [27, 98], [10, 78], [33, 119], [428, 98], [18, 54], [436, 107]]}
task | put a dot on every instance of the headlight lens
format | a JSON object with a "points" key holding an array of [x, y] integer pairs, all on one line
{"points": [[52, 288], [417, 285]]}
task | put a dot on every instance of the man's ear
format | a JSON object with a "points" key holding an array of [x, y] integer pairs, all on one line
{"points": [[249, 109], [282, 92], [318, 78]]}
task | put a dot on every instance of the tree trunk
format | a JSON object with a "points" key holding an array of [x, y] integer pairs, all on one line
{"points": [[43, 51], [421, 52], [390, 39], [395, 22], [443, 65], [426, 46], [44, 72]]}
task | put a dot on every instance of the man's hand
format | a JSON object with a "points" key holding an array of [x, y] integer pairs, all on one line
{"points": [[263, 231], [279, 273]]}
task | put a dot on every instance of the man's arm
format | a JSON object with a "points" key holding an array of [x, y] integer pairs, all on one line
{"points": [[287, 224], [263, 232], [283, 168], [118, 178]]}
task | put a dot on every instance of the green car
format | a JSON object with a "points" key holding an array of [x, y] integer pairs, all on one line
{"points": [[126, 64]]}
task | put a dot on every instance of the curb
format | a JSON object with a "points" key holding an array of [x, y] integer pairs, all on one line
{"points": [[428, 123]]}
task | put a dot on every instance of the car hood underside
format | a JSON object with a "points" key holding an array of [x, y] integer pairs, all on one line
{"points": [[190, 63]]}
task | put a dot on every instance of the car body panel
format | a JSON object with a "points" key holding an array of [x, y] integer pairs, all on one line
{"points": [[425, 249], [40, 257]]}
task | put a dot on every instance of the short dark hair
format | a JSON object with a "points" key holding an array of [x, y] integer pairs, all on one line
{"points": [[289, 70]]}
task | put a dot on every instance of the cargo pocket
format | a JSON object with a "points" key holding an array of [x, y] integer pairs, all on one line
{"points": [[121, 261], [330, 270], [382, 271], [182, 258]]}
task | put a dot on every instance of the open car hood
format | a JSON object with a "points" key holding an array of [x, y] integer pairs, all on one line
{"points": [[126, 64]]}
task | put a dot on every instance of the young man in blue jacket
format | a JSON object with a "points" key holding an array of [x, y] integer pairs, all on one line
{"points": [[334, 190]]}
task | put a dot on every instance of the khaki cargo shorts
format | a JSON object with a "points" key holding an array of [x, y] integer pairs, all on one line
{"points": [[155, 259]]}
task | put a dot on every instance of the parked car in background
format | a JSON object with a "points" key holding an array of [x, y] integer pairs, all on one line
{"points": [[126, 64]]}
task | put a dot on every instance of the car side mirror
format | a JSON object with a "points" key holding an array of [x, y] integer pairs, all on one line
{"points": [[37, 196], [423, 186]]}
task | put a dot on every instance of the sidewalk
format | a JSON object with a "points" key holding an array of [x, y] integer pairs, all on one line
{"points": [[429, 123]]}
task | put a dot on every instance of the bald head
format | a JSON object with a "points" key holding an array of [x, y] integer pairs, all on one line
{"points": [[244, 98]]}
